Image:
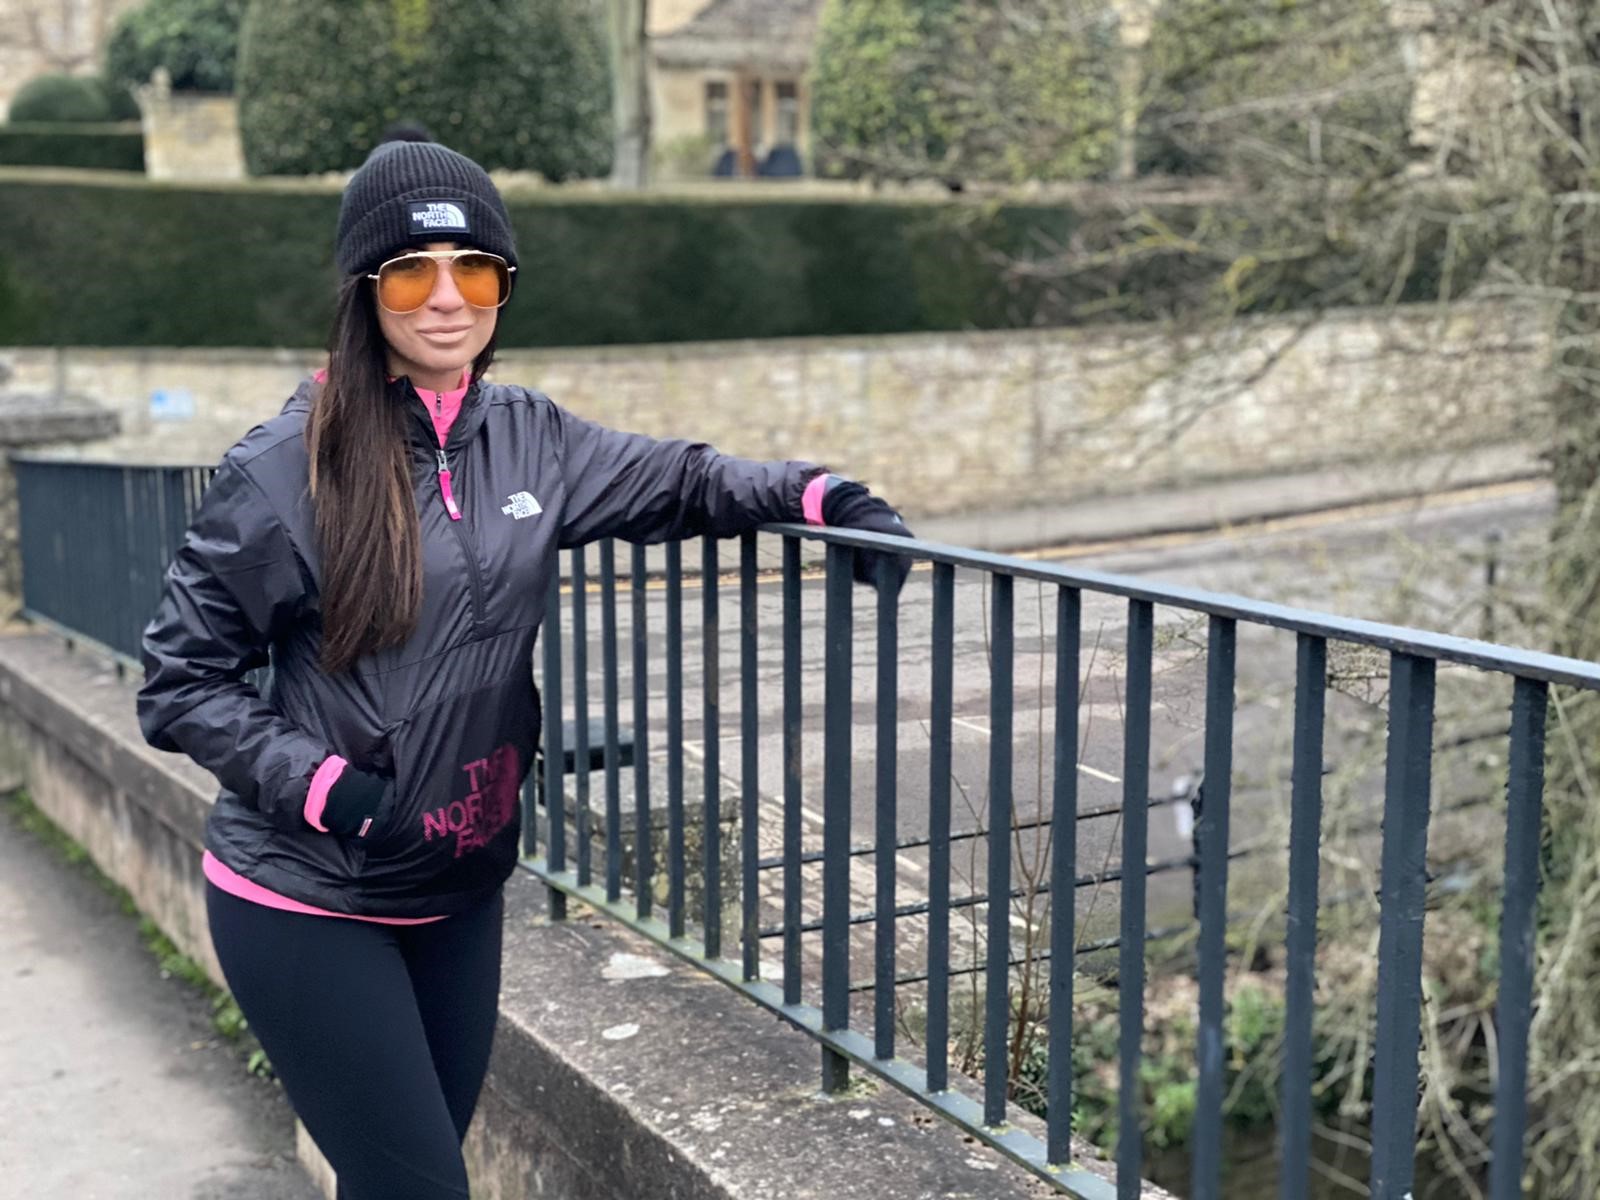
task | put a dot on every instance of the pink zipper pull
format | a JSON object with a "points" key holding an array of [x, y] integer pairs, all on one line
{"points": [[444, 488]]}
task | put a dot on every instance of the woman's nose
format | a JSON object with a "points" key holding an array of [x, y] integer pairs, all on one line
{"points": [[445, 293]]}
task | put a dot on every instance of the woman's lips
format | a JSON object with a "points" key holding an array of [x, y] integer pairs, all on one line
{"points": [[451, 333]]}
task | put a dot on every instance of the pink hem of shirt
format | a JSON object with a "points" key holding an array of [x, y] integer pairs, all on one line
{"points": [[235, 884]]}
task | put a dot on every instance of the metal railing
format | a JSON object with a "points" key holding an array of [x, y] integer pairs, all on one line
{"points": [[96, 538], [563, 859]]}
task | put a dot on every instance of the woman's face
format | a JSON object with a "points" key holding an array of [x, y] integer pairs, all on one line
{"points": [[434, 344]]}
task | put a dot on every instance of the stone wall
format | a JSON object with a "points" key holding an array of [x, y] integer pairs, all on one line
{"points": [[617, 1074], [951, 423], [189, 135]]}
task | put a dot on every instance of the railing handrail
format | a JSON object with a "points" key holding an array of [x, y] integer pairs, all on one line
{"points": [[1528, 664]]}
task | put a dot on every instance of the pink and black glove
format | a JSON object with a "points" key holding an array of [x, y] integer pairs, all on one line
{"points": [[845, 504], [347, 807]]}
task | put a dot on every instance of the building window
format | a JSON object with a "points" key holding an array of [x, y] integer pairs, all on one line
{"points": [[717, 112], [788, 113]]}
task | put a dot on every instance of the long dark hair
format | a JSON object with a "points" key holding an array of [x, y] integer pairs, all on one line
{"points": [[368, 535]]}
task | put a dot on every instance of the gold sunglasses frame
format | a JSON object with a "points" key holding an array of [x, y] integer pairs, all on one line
{"points": [[448, 257]]}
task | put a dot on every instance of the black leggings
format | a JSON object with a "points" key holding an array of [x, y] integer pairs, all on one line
{"points": [[380, 1033]]}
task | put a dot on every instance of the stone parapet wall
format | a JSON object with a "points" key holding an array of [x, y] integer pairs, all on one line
{"points": [[952, 423], [617, 1072]]}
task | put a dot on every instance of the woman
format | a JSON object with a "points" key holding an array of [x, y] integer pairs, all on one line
{"points": [[386, 543]]}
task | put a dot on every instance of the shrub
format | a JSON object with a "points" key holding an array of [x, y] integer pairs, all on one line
{"points": [[965, 90], [91, 147], [252, 266], [61, 98], [197, 41], [513, 84]]}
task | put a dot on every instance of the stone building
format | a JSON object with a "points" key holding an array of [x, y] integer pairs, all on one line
{"points": [[46, 37], [729, 85]]}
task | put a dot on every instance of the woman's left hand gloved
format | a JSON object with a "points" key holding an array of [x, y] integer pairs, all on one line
{"points": [[848, 505]]}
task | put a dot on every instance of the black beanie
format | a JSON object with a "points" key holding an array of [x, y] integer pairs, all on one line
{"points": [[411, 193]]}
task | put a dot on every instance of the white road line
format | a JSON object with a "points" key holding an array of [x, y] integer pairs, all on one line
{"points": [[1088, 770], [969, 725]]}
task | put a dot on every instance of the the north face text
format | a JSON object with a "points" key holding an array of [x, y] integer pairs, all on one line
{"points": [[486, 809], [437, 216]]}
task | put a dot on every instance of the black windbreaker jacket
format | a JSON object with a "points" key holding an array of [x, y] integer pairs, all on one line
{"points": [[452, 717]]}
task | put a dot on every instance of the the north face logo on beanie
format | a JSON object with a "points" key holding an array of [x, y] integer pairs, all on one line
{"points": [[437, 216]]}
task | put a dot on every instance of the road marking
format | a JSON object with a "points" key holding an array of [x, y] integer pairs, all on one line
{"points": [[969, 725], [1098, 774]]}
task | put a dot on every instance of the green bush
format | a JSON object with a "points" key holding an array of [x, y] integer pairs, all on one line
{"points": [[120, 101], [513, 84], [197, 41], [92, 147], [252, 266], [965, 90], [62, 98]]}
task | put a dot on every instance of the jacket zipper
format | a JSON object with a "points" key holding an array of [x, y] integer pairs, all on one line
{"points": [[444, 487], [473, 574]]}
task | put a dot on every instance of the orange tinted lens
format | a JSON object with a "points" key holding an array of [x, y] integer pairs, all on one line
{"points": [[482, 280], [405, 284]]}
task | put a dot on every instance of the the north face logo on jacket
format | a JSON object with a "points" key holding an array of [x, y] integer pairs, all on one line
{"points": [[522, 505]]}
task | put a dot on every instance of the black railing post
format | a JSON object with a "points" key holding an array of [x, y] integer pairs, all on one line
{"points": [[711, 714], [643, 853], [1524, 806], [676, 866], [1211, 834], [1305, 835], [582, 818], [887, 817], [554, 791], [1063, 876], [749, 763], [997, 983], [793, 664], [940, 714], [1135, 841], [1406, 799], [610, 685], [836, 815]]}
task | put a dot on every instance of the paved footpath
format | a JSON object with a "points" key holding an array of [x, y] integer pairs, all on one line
{"points": [[113, 1084]]}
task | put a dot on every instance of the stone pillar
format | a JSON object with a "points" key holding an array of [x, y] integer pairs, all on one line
{"points": [[189, 135], [36, 423], [1135, 23], [1463, 94]]}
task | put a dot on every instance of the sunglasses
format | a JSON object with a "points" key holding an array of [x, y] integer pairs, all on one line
{"points": [[406, 282]]}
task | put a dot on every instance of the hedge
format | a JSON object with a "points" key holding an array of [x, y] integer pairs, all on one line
{"points": [[156, 264], [97, 261], [118, 147]]}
